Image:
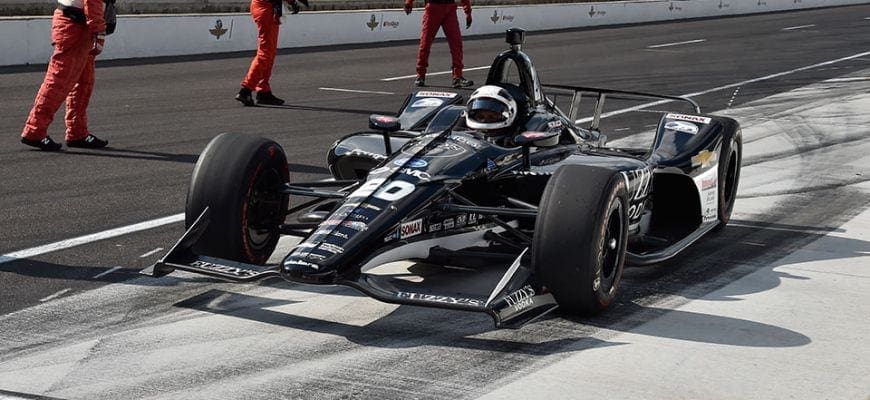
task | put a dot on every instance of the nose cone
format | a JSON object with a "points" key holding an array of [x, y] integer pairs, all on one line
{"points": [[303, 270]]}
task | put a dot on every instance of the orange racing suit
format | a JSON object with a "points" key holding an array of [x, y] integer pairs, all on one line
{"points": [[74, 34], [441, 14]]}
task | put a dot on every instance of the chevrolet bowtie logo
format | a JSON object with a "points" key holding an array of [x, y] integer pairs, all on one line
{"points": [[373, 23], [218, 29], [704, 159], [494, 17]]}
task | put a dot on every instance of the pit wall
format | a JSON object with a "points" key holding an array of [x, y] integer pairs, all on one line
{"points": [[26, 40]]}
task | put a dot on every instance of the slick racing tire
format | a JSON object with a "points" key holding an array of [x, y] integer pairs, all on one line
{"points": [[236, 178], [730, 160], [581, 232]]}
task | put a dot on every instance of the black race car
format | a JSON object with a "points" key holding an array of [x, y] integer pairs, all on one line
{"points": [[554, 209]]}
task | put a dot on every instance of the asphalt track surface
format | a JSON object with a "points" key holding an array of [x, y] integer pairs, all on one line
{"points": [[71, 330]]}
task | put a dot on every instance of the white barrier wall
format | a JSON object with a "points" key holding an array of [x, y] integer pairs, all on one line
{"points": [[26, 40]]}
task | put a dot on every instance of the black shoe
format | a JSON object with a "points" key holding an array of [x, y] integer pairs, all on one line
{"points": [[420, 81], [89, 142], [44, 144], [461, 82], [245, 97], [268, 98]]}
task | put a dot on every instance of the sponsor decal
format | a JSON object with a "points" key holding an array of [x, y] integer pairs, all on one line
{"points": [[472, 218], [490, 165], [674, 8], [596, 13], [434, 227], [709, 183], [690, 118], [411, 162], [496, 18], [682, 126], [554, 124], [474, 144], [331, 248], [315, 257], [394, 235], [723, 4], [363, 153], [461, 221], [340, 235], [638, 183], [440, 299], [372, 207], [306, 245], [521, 299], [372, 23], [355, 225], [443, 95], [444, 149], [410, 229], [301, 263], [225, 269], [427, 102], [704, 159], [219, 29], [423, 176], [357, 216], [448, 223]]}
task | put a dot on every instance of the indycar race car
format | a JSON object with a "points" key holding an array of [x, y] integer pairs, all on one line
{"points": [[554, 209]]}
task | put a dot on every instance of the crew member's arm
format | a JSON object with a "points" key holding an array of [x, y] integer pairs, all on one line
{"points": [[94, 15], [466, 6], [96, 23]]}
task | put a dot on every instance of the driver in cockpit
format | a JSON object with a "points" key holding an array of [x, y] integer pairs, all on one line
{"points": [[492, 111]]}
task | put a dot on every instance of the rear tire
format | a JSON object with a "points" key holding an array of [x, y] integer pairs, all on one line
{"points": [[236, 177], [730, 160], [581, 233]]}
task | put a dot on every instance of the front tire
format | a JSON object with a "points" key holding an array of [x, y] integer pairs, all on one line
{"points": [[581, 233], [236, 177]]}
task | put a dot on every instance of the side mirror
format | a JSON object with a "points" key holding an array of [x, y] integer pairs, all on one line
{"points": [[539, 139], [384, 123]]}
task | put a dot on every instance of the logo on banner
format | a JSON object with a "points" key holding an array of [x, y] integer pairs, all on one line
{"points": [[219, 29], [383, 24]]}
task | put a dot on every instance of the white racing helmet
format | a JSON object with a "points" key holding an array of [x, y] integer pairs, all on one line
{"points": [[490, 108]]}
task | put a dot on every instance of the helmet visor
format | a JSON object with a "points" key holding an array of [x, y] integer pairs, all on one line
{"points": [[487, 111]]}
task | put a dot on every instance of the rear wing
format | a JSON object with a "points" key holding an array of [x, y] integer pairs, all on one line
{"points": [[600, 95]]}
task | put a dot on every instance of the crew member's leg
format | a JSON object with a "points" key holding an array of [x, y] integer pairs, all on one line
{"points": [[432, 19], [72, 43], [77, 134]]}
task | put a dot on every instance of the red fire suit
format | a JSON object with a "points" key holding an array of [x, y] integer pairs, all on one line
{"points": [[442, 14], [70, 73], [267, 46]]}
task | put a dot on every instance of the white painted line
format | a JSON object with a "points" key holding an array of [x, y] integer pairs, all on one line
{"points": [[353, 91], [395, 78], [151, 252], [104, 273], [754, 244], [78, 241], [866, 17], [733, 85], [853, 79], [791, 28], [655, 46], [56, 295]]}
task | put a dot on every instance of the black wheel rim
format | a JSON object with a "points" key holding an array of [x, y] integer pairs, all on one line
{"points": [[614, 234], [263, 209]]}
